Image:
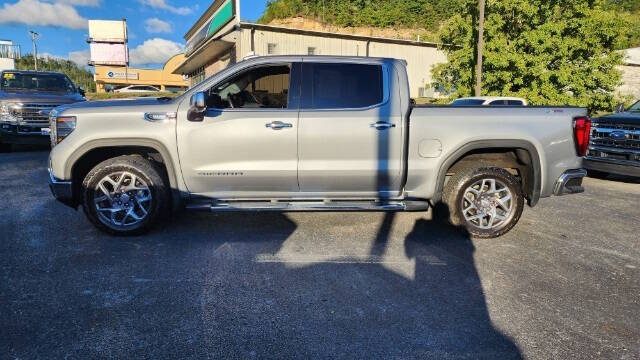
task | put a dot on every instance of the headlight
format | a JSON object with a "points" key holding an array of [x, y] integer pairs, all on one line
{"points": [[5, 113], [61, 127]]}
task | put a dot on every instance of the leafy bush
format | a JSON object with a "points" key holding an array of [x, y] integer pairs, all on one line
{"points": [[79, 75], [548, 52]]}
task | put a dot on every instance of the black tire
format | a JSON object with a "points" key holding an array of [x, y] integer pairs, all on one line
{"points": [[596, 174], [144, 170], [454, 192]]}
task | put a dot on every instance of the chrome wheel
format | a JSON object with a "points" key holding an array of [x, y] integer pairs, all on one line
{"points": [[488, 204], [122, 200]]}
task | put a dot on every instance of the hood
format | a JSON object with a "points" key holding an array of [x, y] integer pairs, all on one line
{"points": [[144, 101], [120, 105], [40, 97], [630, 118]]}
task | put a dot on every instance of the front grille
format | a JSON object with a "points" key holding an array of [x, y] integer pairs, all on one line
{"points": [[619, 136], [33, 114]]}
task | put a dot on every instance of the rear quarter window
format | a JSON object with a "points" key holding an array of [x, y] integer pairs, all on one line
{"points": [[342, 86]]}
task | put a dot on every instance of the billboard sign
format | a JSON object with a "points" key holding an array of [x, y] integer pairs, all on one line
{"points": [[108, 30], [227, 11], [109, 54]]}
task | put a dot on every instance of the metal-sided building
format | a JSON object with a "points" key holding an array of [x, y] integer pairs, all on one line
{"points": [[8, 54], [219, 39]]}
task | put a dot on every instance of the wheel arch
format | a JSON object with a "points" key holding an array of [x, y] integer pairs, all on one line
{"points": [[83, 159], [524, 150]]}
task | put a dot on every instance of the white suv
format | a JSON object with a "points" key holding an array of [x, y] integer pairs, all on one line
{"points": [[137, 89], [490, 101]]}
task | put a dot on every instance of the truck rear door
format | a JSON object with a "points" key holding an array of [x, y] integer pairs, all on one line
{"points": [[350, 134]]}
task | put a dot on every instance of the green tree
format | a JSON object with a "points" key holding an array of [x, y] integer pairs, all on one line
{"points": [[79, 75], [548, 52]]}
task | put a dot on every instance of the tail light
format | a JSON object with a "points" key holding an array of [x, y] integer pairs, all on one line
{"points": [[581, 134]]}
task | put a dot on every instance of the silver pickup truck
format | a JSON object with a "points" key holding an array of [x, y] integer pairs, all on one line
{"points": [[298, 133]]}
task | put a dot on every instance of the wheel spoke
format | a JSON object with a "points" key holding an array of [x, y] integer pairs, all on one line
{"points": [[111, 205], [487, 203]]}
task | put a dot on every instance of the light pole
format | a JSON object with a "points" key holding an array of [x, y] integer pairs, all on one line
{"points": [[34, 36], [481, 4]]}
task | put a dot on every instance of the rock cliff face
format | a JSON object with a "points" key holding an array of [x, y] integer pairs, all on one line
{"points": [[393, 33], [631, 81]]}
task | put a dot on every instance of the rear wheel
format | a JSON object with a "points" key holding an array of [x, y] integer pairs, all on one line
{"points": [[125, 195], [487, 201]]}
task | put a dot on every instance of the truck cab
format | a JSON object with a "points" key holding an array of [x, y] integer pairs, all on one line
{"points": [[26, 99]]}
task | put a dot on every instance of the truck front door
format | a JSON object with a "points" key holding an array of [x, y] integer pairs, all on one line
{"points": [[350, 140], [246, 146]]}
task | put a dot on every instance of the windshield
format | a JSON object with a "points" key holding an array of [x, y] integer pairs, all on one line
{"points": [[36, 82], [635, 107], [468, 102]]}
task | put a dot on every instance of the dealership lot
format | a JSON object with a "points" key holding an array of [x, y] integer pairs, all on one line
{"points": [[563, 284]]}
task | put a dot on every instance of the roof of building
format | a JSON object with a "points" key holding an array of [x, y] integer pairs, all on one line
{"points": [[282, 29]]}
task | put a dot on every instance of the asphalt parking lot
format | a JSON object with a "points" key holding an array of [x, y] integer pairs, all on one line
{"points": [[564, 284]]}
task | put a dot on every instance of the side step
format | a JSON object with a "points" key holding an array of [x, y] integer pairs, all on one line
{"points": [[291, 206]]}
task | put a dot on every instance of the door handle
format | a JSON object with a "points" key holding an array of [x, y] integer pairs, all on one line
{"points": [[381, 125], [278, 125]]}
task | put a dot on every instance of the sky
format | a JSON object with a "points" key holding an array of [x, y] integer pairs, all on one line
{"points": [[156, 27]]}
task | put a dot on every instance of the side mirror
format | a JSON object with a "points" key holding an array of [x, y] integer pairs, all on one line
{"points": [[620, 108], [81, 91], [198, 107]]}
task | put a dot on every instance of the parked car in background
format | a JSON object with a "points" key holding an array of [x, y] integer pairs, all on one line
{"points": [[615, 144], [489, 101], [26, 98], [311, 133], [137, 89]]}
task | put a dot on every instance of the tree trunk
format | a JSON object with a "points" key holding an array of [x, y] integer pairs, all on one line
{"points": [[480, 47]]}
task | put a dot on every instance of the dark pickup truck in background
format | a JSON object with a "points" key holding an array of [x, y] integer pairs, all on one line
{"points": [[26, 99], [615, 144]]}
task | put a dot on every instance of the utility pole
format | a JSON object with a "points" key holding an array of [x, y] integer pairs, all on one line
{"points": [[34, 37], [481, 4]]}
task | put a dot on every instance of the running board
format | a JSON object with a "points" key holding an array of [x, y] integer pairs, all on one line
{"points": [[292, 206]]}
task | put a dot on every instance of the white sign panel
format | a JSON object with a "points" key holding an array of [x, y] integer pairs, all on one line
{"points": [[109, 54], [107, 30]]}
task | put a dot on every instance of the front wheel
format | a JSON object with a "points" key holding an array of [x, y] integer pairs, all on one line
{"points": [[486, 201], [125, 195]]}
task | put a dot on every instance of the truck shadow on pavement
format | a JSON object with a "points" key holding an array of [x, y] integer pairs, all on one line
{"points": [[354, 307]]}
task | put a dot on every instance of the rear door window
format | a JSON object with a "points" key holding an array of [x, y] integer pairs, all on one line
{"points": [[342, 86]]}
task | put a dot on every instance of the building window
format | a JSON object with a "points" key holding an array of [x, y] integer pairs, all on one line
{"points": [[197, 76], [311, 51], [272, 49]]}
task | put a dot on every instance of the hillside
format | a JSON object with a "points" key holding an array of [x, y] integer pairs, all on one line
{"points": [[422, 14], [79, 76], [401, 18]]}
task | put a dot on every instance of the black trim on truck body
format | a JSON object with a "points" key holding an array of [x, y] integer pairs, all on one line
{"points": [[535, 188]]}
